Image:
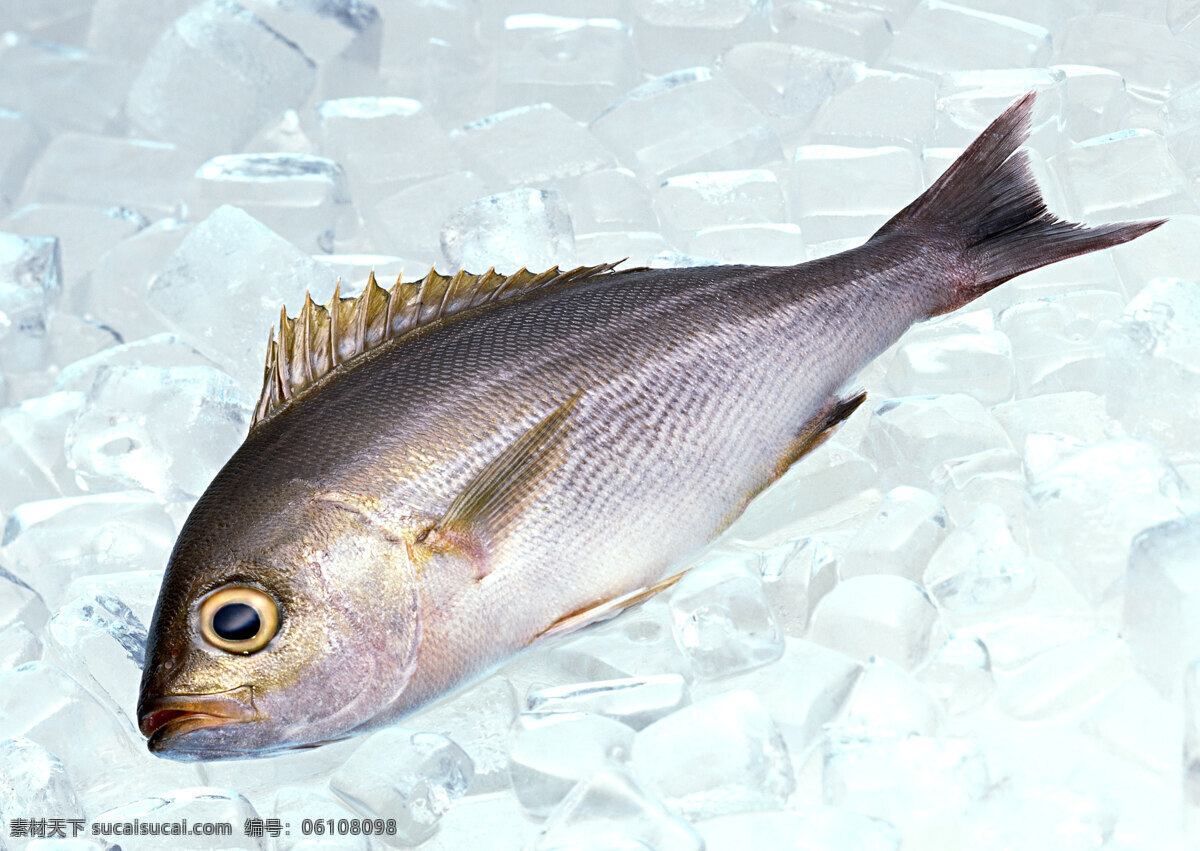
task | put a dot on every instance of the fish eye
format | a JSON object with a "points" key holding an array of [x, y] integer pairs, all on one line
{"points": [[238, 619]]}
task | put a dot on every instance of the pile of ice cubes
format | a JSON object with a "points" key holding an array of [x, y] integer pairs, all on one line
{"points": [[970, 620]]}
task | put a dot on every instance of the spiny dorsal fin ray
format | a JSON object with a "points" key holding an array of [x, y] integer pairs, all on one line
{"points": [[320, 338]]}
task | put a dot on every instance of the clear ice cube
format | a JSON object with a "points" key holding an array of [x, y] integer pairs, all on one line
{"points": [[722, 621], [980, 566], [1066, 677], [33, 784], [636, 702], [899, 537], [885, 616], [687, 203], [609, 809], [409, 222], [30, 282], [166, 429], [941, 37], [687, 121], [520, 228], [720, 755], [960, 673], [293, 805], [842, 29], [796, 575], [842, 192], [1161, 618], [980, 364], [880, 108], [888, 701], [31, 448], [610, 200], [197, 806], [639, 643], [549, 752], [215, 77], [20, 145], [410, 777], [1087, 508], [1129, 173], [221, 302], [17, 646]]}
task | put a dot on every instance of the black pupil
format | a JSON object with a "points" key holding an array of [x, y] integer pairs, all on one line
{"points": [[236, 622]]}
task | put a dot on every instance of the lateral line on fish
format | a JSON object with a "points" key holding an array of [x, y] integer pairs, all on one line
{"points": [[322, 338]]}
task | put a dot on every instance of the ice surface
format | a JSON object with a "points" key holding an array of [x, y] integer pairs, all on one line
{"points": [[899, 537], [224, 303], [521, 228], [636, 702], [1162, 585], [303, 198], [117, 439], [531, 146], [721, 755], [609, 809], [1088, 507], [410, 777], [883, 615], [551, 751], [215, 77], [686, 121], [980, 566], [722, 621]]}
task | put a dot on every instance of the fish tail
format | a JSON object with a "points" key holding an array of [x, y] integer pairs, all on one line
{"points": [[989, 209]]}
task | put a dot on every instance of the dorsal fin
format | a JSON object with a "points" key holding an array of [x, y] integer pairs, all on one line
{"points": [[320, 338]]}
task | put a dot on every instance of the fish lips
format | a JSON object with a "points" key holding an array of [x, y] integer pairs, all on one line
{"points": [[169, 722]]}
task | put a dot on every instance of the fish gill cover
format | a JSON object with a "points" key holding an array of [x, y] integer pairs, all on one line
{"points": [[968, 618]]}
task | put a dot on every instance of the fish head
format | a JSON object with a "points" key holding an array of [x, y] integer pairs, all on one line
{"points": [[284, 624]]}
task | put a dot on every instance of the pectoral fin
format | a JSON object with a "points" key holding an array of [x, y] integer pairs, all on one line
{"points": [[606, 609], [486, 509], [818, 430]]}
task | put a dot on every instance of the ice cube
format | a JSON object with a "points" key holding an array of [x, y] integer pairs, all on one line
{"points": [[481, 821], [1015, 641], [720, 755], [33, 784], [19, 147], [478, 721], [636, 702], [223, 302], [840, 192], [811, 829], [1137, 723], [549, 752], [639, 643], [1162, 587], [979, 363], [30, 282], [1087, 508], [796, 575], [17, 646], [941, 37], [888, 701], [1152, 356], [636, 248], [85, 168], [22, 605], [1027, 814], [48, 542], [384, 144], [786, 81], [879, 108], [410, 777], [669, 35], [84, 233], [161, 350], [722, 621], [909, 781], [609, 809], [103, 643], [1065, 678], [993, 476], [31, 448], [686, 121], [126, 30], [531, 146], [910, 436], [1121, 43], [62, 86], [166, 429], [520, 228], [1191, 741], [842, 29], [885, 616], [763, 245], [1129, 173], [899, 537], [969, 100], [409, 223], [302, 197], [220, 816], [115, 292], [611, 200], [1077, 414], [687, 203], [215, 77], [980, 567], [300, 807], [581, 64], [960, 674]]}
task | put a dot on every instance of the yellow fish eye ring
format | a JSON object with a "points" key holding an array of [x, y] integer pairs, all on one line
{"points": [[239, 619]]}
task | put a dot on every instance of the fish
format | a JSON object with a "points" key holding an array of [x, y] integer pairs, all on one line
{"points": [[440, 475]]}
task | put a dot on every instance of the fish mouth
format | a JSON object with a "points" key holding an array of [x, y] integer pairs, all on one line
{"points": [[164, 718]]}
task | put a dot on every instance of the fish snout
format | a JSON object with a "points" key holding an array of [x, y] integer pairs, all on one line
{"points": [[167, 717]]}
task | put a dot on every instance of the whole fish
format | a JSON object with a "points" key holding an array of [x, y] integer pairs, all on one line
{"points": [[439, 475]]}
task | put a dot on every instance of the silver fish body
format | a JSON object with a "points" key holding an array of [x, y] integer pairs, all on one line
{"points": [[434, 504]]}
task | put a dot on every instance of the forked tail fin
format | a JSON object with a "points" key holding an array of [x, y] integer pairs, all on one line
{"points": [[987, 206]]}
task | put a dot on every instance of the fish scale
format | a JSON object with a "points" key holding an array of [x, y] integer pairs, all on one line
{"points": [[499, 459]]}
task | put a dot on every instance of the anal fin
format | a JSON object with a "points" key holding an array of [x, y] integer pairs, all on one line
{"points": [[606, 609]]}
